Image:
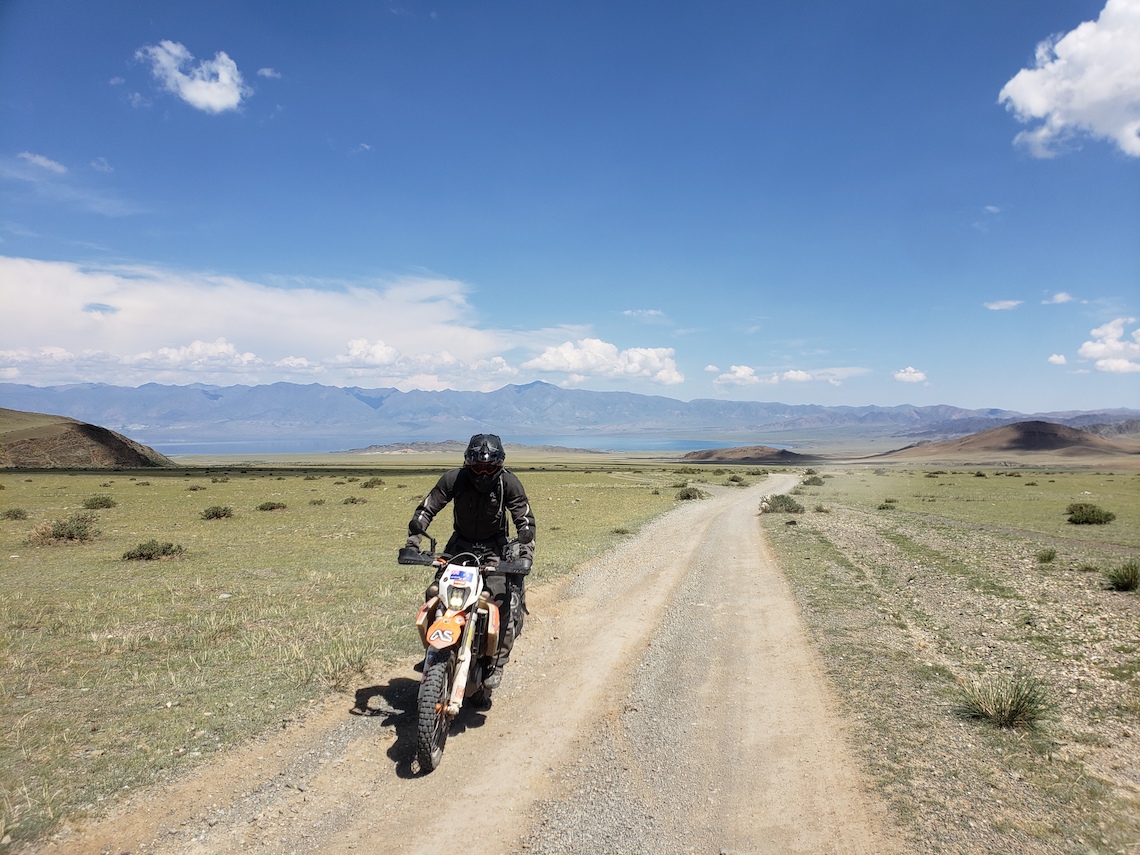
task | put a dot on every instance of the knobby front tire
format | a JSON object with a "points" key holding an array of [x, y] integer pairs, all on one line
{"points": [[432, 721]]}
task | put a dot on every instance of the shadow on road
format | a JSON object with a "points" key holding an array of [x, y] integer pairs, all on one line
{"points": [[396, 703]]}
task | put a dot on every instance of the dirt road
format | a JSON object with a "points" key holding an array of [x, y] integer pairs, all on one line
{"points": [[663, 700]]}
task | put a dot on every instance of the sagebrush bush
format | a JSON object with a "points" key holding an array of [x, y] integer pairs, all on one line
{"points": [[14, 514], [99, 502], [152, 550], [1047, 555], [217, 512], [354, 500], [373, 482], [77, 528], [689, 493], [1126, 577], [1086, 513], [781, 504], [316, 501], [1015, 700], [271, 506], [813, 481]]}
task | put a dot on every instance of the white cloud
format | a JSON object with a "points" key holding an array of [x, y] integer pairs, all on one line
{"points": [[213, 85], [1002, 305], [65, 323], [1058, 298], [1113, 353], [744, 375], [832, 376], [644, 314], [992, 209], [591, 357], [1084, 82], [43, 162], [910, 375], [55, 184], [100, 164], [270, 73], [1058, 359], [711, 369]]}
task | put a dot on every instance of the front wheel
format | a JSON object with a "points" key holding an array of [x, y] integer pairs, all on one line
{"points": [[433, 723]]}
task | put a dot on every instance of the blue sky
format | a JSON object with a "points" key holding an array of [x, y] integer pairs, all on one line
{"points": [[885, 202]]}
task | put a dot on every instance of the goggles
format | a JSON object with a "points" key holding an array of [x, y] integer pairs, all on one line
{"points": [[485, 468]]}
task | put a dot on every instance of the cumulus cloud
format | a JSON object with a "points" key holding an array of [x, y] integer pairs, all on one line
{"points": [[66, 323], [1086, 82], [1112, 352], [744, 375], [1002, 305], [100, 164], [270, 73], [212, 85], [592, 357], [910, 375], [1058, 298], [43, 162], [1058, 359]]}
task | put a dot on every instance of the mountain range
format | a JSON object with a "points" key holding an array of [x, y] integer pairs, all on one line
{"points": [[158, 414]]}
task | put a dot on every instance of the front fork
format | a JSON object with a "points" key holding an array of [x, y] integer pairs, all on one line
{"points": [[463, 667]]}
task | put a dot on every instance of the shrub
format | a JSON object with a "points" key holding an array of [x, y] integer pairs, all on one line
{"points": [[354, 500], [142, 483], [217, 512], [822, 509], [1016, 700], [1085, 513], [96, 503], [373, 482], [620, 531], [979, 474], [1047, 555], [813, 481], [781, 504], [14, 514], [220, 479], [77, 528], [152, 550], [1126, 577], [689, 493], [316, 501], [271, 506]]}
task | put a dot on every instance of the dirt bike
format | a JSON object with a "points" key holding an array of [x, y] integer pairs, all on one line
{"points": [[459, 626]]}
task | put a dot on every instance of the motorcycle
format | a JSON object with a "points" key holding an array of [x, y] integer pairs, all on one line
{"points": [[459, 626]]}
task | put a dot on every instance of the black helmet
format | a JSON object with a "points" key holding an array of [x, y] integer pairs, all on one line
{"points": [[484, 458]]}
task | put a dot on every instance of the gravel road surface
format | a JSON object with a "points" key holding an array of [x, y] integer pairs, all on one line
{"points": [[662, 700]]}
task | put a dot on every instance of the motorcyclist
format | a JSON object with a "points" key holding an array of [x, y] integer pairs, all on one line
{"points": [[485, 494]]}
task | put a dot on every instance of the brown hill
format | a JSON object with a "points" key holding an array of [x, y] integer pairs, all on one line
{"points": [[38, 441], [748, 454], [1032, 437]]}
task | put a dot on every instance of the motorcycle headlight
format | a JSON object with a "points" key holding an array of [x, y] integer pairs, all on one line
{"points": [[456, 597]]}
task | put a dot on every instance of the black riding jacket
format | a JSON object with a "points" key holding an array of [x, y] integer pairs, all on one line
{"points": [[479, 518]]}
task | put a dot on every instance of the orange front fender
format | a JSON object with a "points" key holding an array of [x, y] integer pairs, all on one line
{"points": [[446, 631]]}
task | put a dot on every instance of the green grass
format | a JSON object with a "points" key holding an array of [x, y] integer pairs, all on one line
{"points": [[1016, 700], [968, 576], [116, 672]]}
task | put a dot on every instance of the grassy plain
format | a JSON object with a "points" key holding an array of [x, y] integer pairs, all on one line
{"points": [[916, 583], [115, 673]]}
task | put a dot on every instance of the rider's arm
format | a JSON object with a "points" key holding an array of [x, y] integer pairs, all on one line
{"points": [[433, 503], [518, 505]]}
